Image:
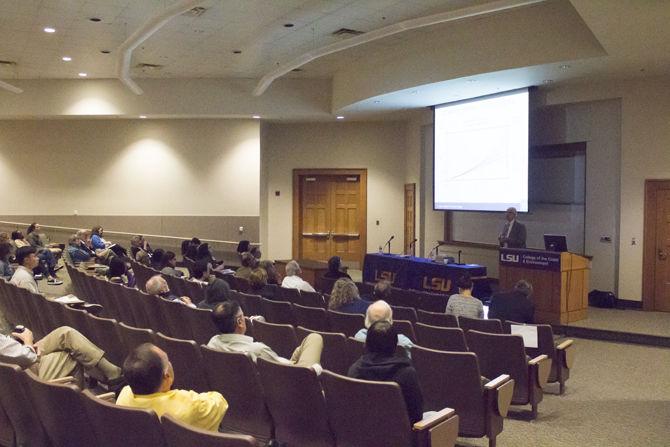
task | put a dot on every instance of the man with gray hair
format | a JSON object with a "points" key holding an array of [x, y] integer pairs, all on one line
{"points": [[292, 280], [515, 305], [157, 285], [76, 252], [381, 311]]}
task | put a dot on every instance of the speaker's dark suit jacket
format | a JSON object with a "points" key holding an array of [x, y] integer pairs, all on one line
{"points": [[517, 237], [511, 306]]}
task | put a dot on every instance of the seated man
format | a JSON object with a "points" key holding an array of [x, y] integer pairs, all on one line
{"points": [[382, 290], [249, 264], [157, 285], [62, 352], [150, 376], [377, 311], [229, 319], [75, 250], [380, 363], [23, 275], [293, 281], [515, 305]]}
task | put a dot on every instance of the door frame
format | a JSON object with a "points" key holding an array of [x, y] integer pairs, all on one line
{"points": [[651, 187], [362, 174]]}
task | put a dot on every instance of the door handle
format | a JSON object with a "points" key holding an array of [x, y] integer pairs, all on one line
{"points": [[316, 234], [662, 256]]}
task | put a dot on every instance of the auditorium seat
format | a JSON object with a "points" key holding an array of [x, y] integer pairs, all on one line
{"points": [[311, 299], [250, 303], [403, 297], [365, 289], [355, 349], [280, 337], [39, 322], [186, 361], [154, 314], [373, 414], [314, 318], [173, 313], [480, 324], [289, 295], [405, 328], [15, 398], [55, 312], [105, 335], [334, 356], [122, 303], [500, 354], [562, 354], [6, 429], [201, 324], [432, 302], [241, 284], [61, 410], [294, 397], [118, 426], [440, 338], [234, 375], [348, 324], [404, 313], [453, 379], [278, 312], [179, 434], [132, 337], [436, 318], [193, 290], [324, 285], [77, 318], [135, 299]]}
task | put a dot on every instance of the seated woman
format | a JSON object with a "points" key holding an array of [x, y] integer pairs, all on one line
{"points": [[216, 292], [463, 304], [39, 240], [140, 250], [345, 298], [259, 284], [271, 270], [48, 264], [157, 259], [334, 272], [249, 264], [6, 270], [76, 252], [169, 265], [99, 244], [119, 272], [204, 255]]}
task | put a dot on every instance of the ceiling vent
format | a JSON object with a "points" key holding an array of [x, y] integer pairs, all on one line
{"points": [[195, 12], [346, 32], [149, 67]]}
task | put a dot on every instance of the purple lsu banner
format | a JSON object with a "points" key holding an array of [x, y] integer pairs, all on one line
{"points": [[542, 260]]}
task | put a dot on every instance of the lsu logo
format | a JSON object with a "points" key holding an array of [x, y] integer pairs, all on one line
{"points": [[509, 257], [388, 276], [437, 284]]}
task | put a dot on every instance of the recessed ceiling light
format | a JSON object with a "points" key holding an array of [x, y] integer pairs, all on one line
{"points": [[256, 117], [143, 116], [66, 58], [49, 30], [95, 19], [83, 75], [564, 67], [288, 25], [548, 81], [339, 117], [105, 51], [237, 51]]}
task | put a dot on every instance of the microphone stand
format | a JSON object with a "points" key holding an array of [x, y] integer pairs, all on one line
{"points": [[389, 243]]}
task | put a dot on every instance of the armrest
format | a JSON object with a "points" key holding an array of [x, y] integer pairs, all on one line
{"points": [[500, 391], [109, 397], [64, 380], [566, 355], [440, 429], [495, 383], [542, 363]]}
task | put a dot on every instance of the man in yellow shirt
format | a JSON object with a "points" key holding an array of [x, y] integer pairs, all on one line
{"points": [[150, 376]]}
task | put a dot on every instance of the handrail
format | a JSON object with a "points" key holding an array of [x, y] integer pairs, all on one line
{"points": [[55, 227]]}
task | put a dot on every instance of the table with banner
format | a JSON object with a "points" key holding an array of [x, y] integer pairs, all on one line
{"points": [[409, 272]]}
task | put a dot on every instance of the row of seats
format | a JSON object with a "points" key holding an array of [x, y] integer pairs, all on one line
{"points": [[269, 400]]}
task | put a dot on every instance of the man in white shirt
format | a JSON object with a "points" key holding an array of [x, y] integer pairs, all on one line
{"points": [[23, 276], [513, 234], [293, 281]]}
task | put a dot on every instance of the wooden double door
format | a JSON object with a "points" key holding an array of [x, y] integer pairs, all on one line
{"points": [[656, 268], [329, 215]]}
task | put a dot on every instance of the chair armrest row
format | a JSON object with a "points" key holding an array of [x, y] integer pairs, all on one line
{"points": [[495, 383], [64, 380], [565, 344], [542, 363], [440, 429], [500, 391], [109, 397], [566, 354], [434, 419]]}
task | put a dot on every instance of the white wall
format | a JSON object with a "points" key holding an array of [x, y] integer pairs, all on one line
{"points": [[130, 167], [377, 146]]}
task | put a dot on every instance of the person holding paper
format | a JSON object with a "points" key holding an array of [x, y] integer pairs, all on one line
{"points": [[513, 234], [515, 305]]}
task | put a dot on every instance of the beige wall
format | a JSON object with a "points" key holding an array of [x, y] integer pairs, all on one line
{"points": [[377, 146]]}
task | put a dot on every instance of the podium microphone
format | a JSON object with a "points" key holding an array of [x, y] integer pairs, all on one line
{"points": [[389, 243], [411, 244], [459, 256]]}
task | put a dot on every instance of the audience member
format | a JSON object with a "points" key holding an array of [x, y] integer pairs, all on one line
{"points": [[47, 261], [169, 265], [259, 284], [192, 249], [344, 298], [99, 244], [157, 259], [256, 252], [62, 352], [150, 377], [205, 255], [119, 272], [271, 270], [4, 238], [140, 250], [249, 264], [515, 305], [39, 240], [243, 247], [463, 304], [382, 290], [292, 280], [77, 254], [23, 275], [85, 241], [334, 266], [6, 270], [229, 319], [200, 273], [381, 311], [157, 285], [380, 364], [216, 292]]}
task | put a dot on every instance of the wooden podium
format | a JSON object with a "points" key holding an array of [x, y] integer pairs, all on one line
{"points": [[560, 282]]}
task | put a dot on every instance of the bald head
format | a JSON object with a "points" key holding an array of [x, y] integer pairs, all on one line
{"points": [[157, 285], [378, 311]]}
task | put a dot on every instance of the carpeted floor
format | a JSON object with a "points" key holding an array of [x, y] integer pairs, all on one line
{"points": [[628, 320]]}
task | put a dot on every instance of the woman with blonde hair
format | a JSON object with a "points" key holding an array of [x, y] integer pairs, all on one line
{"points": [[345, 298]]}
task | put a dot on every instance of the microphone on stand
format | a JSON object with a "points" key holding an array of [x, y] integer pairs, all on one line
{"points": [[433, 252], [389, 243], [411, 244], [459, 256]]}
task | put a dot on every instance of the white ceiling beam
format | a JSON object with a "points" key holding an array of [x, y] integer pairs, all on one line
{"points": [[387, 31], [152, 25]]}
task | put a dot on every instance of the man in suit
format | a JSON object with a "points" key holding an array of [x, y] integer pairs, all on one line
{"points": [[513, 234], [515, 305]]}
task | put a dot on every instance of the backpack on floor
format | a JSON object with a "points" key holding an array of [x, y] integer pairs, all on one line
{"points": [[599, 298]]}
